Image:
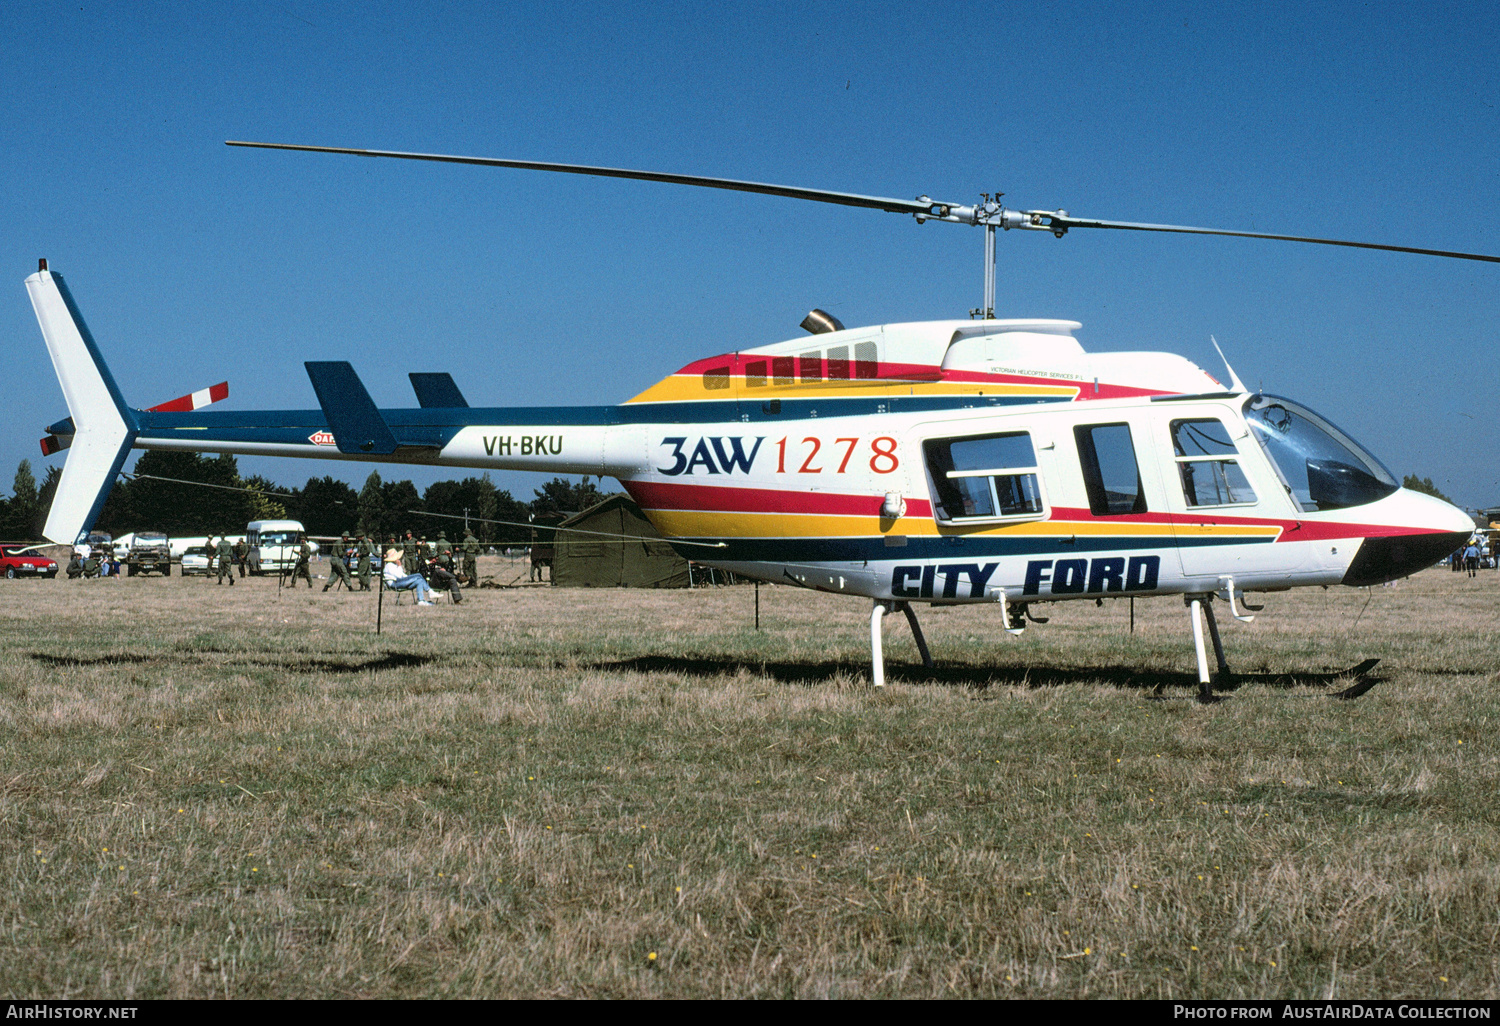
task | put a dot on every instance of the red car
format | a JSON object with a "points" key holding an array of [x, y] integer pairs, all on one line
{"points": [[17, 563]]}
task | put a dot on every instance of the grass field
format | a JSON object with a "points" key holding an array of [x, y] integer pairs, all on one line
{"points": [[212, 791]]}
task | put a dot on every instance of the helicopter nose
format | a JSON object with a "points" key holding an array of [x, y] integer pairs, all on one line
{"points": [[1437, 528]]}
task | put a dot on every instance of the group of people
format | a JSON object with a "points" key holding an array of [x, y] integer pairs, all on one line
{"points": [[409, 564], [93, 561], [239, 554]]}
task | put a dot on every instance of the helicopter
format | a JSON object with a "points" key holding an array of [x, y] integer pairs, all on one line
{"points": [[978, 460]]}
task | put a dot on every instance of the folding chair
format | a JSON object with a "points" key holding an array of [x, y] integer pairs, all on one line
{"points": [[399, 592]]}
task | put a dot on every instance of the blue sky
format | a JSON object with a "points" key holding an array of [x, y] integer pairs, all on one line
{"points": [[194, 262]]}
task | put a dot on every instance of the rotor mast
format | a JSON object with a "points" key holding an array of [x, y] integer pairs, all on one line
{"points": [[988, 313], [989, 214]]}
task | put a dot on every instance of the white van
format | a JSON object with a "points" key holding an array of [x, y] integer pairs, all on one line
{"points": [[278, 543]]}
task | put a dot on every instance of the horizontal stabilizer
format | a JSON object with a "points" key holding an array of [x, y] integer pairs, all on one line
{"points": [[104, 426], [437, 391], [194, 400], [353, 418]]}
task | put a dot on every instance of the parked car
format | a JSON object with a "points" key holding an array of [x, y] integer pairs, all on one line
{"points": [[198, 559], [22, 561]]}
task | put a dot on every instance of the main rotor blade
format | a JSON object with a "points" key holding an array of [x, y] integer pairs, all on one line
{"points": [[1068, 221], [897, 206], [987, 213]]}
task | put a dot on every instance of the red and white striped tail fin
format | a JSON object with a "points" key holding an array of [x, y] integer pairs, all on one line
{"points": [[195, 400]]}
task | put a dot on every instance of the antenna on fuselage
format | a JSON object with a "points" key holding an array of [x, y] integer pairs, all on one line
{"points": [[1234, 379]]}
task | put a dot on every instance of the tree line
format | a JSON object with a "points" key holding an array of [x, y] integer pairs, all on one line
{"points": [[154, 497]]}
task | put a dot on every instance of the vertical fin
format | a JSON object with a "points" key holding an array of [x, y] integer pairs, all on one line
{"points": [[356, 423], [105, 426], [437, 391]]}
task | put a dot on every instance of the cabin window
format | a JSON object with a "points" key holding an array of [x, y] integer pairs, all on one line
{"points": [[986, 478], [838, 363], [718, 377], [782, 369], [755, 374], [866, 360], [1111, 475], [810, 366], [1206, 463]]}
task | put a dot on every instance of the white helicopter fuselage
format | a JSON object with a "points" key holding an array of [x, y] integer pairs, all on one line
{"points": [[783, 485]]}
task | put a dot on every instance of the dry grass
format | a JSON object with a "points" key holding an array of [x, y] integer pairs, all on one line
{"points": [[209, 791]]}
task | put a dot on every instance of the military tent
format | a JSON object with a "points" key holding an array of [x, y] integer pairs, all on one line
{"points": [[605, 559]]}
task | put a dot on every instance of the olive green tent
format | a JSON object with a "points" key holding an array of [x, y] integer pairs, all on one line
{"points": [[605, 559]]}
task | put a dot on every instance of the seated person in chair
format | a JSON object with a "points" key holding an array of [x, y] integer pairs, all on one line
{"points": [[397, 579]]}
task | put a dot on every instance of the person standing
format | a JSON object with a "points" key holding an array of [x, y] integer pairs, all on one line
{"points": [[304, 563], [1471, 558], [241, 550], [224, 553], [365, 552], [471, 558], [409, 554], [338, 569]]}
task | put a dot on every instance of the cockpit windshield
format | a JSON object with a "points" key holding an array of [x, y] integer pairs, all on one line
{"points": [[1322, 467]]}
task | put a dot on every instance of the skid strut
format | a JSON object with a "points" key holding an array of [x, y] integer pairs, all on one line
{"points": [[1213, 633], [916, 633], [877, 645], [877, 651], [1205, 683]]}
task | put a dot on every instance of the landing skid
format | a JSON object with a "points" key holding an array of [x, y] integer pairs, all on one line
{"points": [[1361, 680], [1358, 676]]}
